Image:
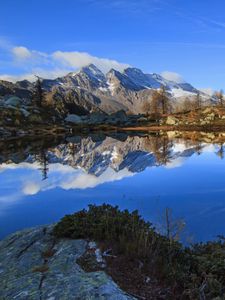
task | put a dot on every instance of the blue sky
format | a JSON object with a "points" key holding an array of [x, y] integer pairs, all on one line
{"points": [[52, 37]]}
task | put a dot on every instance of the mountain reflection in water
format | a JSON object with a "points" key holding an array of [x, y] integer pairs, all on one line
{"points": [[42, 180]]}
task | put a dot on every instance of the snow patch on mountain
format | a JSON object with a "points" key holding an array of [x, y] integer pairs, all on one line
{"points": [[178, 92]]}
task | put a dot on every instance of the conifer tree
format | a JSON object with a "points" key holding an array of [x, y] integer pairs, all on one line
{"points": [[38, 93]]}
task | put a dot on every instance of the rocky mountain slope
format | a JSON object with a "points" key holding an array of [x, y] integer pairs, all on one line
{"points": [[90, 90]]}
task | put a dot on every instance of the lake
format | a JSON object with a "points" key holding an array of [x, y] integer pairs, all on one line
{"points": [[41, 180]]}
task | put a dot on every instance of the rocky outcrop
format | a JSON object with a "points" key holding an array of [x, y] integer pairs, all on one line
{"points": [[71, 118], [97, 118], [22, 89], [34, 265], [212, 115]]}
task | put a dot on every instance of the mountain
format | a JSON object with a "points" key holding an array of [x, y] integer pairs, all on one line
{"points": [[89, 89], [20, 89]]}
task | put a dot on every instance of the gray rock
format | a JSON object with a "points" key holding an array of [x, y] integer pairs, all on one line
{"points": [[73, 119], [26, 273], [119, 116], [142, 120], [97, 118], [13, 101], [4, 133], [25, 112], [172, 120]]}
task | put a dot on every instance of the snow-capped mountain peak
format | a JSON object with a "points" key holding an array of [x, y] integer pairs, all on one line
{"points": [[91, 70], [93, 90]]}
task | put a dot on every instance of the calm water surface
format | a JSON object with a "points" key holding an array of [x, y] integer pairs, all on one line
{"points": [[42, 180]]}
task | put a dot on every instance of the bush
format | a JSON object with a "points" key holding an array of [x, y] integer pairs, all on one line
{"points": [[192, 271]]}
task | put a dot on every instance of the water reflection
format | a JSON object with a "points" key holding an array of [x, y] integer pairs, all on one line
{"points": [[95, 154], [84, 169]]}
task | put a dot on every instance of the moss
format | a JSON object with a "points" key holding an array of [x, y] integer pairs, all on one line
{"points": [[40, 269], [35, 118]]}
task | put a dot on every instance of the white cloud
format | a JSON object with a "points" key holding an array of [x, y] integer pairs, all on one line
{"points": [[27, 63], [172, 76], [49, 74], [8, 199], [79, 59], [63, 176], [21, 53], [84, 180], [175, 163], [31, 188], [14, 78]]}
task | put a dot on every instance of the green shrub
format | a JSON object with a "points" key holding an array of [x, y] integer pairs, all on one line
{"points": [[193, 271]]}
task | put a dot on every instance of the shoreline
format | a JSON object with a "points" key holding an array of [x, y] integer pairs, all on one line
{"points": [[12, 133]]}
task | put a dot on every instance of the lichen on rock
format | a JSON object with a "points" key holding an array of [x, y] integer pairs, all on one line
{"points": [[35, 265]]}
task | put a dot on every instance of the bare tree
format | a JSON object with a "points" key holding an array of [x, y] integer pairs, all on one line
{"points": [[160, 101], [187, 105], [155, 103], [198, 101], [147, 107], [173, 228], [164, 99], [220, 97], [198, 147], [220, 152], [43, 161]]}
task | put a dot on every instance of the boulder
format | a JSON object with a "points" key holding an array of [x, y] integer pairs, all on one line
{"points": [[73, 119], [14, 101], [210, 117], [97, 117], [120, 116], [204, 122], [24, 112], [142, 120], [207, 110], [171, 120]]}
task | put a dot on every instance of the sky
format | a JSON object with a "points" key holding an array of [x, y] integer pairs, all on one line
{"points": [[173, 37]]}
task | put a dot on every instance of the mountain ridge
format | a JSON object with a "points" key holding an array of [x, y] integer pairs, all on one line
{"points": [[91, 89]]}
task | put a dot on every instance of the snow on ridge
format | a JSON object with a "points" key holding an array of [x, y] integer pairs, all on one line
{"points": [[178, 92]]}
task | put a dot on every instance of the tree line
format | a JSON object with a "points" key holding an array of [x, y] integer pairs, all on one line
{"points": [[161, 103]]}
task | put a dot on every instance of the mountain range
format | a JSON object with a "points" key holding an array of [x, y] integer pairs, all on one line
{"points": [[89, 89]]}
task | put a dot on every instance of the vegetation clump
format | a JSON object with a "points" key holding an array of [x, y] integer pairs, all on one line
{"points": [[194, 272]]}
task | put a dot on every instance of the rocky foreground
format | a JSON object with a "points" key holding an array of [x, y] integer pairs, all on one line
{"points": [[34, 265]]}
